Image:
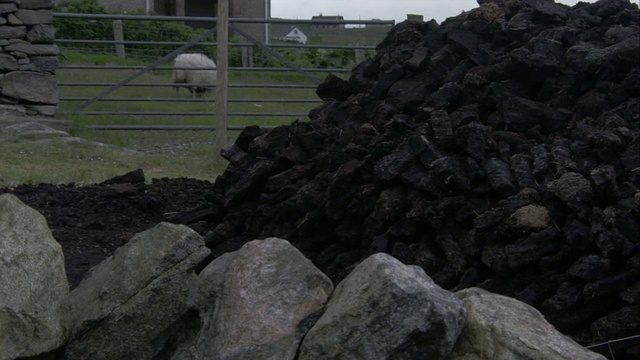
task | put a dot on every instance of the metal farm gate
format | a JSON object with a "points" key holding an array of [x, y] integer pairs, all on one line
{"points": [[133, 78]]}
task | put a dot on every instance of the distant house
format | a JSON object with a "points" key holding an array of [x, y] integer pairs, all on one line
{"points": [[288, 33], [328, 26]]}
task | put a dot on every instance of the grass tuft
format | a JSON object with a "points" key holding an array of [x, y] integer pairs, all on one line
{"points": [[83, 163]]}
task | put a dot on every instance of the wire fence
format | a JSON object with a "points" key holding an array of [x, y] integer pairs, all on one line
{"points": [[284, 90], [612, 347]]}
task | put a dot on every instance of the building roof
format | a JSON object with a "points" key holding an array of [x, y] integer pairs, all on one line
{"points": [[282, 30], [329, 17]]}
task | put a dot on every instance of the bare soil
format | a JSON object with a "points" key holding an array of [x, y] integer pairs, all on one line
{"points": [[91, 222]]}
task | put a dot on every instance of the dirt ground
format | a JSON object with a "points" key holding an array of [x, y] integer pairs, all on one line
{"points": [[91, 222]]}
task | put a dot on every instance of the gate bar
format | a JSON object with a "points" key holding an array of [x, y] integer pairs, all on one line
{"points": [[143, 71]]}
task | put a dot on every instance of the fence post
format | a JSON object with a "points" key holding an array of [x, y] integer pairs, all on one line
{"points": [[245, 57], [222, 57], [359, 56], [118, 36]]}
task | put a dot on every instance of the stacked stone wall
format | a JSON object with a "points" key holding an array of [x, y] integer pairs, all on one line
{"points": [[28, 57]]}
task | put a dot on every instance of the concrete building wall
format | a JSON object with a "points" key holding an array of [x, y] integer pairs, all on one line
{"points": [[259, 9]]}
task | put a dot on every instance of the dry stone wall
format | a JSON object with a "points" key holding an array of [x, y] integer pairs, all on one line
{"points": [[155, 298], [28, 57]]}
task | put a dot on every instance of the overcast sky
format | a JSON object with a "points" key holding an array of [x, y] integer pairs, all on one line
{"points": [[377, 9]]}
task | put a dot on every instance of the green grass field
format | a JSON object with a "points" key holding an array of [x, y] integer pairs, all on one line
{"points": [[163, 99], [160, 153], [165, 153], [86, 163]]}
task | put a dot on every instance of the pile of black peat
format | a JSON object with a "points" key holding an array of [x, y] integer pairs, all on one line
{"points": [[498, 149]]}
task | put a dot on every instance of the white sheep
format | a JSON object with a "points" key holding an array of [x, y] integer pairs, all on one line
{"points": [[199, 79]]}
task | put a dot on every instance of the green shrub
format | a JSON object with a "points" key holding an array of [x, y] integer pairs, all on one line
{"points": [[133, 30], [71, 28]]}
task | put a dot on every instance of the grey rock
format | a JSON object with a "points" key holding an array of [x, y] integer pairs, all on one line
{"points": [[501, 328], [33, 49], [33, 17], [44, 64], [31, 86], [8, 110], [257, 303], [386, 310], [46, 110], [12, 19], [34, 292], [8, 62], [37, 4], [41, 34], [8, 8], [126, 305], [29, 130], [13, 32]]}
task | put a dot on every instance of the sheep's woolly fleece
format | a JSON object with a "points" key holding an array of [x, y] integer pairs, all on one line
{"points": [[201, 74]]}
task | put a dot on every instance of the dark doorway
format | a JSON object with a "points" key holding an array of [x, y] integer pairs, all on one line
{"points": [[201, 8]]}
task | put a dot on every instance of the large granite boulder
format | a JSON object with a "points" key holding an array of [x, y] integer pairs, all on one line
{"points": [[257, 303], [386, 310], [501, 328], [125, 307], [34, 292]]}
